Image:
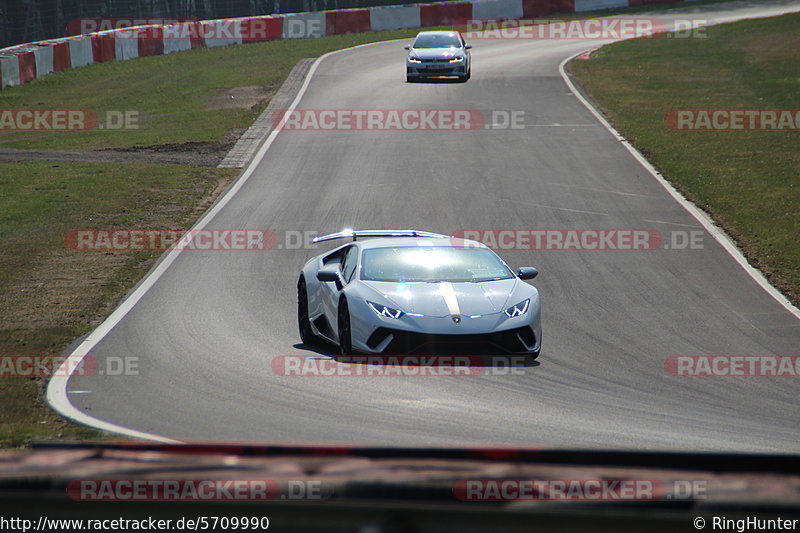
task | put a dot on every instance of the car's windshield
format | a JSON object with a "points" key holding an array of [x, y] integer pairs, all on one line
{"points": [[432, 263], [437, 40]]}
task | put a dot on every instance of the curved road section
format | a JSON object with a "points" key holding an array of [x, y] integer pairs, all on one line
{"points": [[205, 326]]}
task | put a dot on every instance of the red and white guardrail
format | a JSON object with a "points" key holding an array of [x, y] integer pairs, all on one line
{"points": [[22, 63]]}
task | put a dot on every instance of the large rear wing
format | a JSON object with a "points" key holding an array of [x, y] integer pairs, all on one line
{"points": [[355, 234]]}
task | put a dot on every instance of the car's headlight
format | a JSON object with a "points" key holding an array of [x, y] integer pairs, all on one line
{"points": [[384, 311], [457, 60], [519, 309], [413, 60]]}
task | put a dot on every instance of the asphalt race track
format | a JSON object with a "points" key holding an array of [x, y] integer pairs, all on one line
{"points": [[206, 332]]}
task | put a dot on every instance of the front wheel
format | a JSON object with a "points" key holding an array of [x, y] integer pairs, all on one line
{"points": [[307, 336], [536, 353], [345, 334]]}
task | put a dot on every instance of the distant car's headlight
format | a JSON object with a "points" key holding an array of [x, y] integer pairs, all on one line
{"points": [[519, 309], [412, 59], [384, 311], [457, 60]]}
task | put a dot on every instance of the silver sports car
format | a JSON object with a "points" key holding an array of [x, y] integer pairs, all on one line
{"points": [[437, 54], [409, 291]]}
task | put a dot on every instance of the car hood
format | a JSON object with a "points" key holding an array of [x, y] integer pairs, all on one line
{"points": [[445, 298], [436, 53]]}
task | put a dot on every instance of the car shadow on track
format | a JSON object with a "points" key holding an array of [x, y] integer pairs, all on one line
{"points": [[437, 80], [483, 361]]}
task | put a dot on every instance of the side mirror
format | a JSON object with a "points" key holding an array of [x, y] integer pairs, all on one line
{"points": [[527, 273], [468, 47], [407, 47], [328, 275]]}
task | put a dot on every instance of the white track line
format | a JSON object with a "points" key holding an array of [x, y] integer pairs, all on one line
{"points": [[57, 387], [708, 224]]}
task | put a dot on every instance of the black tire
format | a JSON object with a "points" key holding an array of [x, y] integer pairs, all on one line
{"points": [[345, 334], [307, 336], [535, 354]]}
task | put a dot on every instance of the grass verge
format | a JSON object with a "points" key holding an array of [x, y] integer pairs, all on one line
{"points": [[50, 294], [749, 181]]}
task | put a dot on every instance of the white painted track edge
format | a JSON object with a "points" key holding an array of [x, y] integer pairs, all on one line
{"points": [[701, 216]]}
